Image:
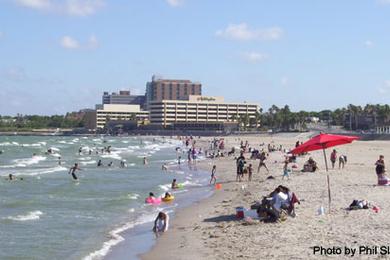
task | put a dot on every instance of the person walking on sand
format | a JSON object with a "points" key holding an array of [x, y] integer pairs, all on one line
{"points": [[333, 157], [161, 223], [286, 170], [380, 167], [73, 171], [213, 177], [341, 162], [262, 158], [250, 171]]}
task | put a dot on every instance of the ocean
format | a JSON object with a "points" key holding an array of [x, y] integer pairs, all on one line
{"points": [[45, 214]]}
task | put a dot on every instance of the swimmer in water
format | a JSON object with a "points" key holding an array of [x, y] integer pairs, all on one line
{"points": [[164, 167], [99, 163], [174, 185], [73, 170]]}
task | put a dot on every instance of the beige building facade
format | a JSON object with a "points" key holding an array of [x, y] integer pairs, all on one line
{"points": [[118, 112], [199, 109]]}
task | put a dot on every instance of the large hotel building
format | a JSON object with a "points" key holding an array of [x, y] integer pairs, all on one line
{"points": [[168, 89], [199, 109], [172, 103]]}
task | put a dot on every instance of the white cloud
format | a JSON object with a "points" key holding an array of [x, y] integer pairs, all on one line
{"points": [[35, 4], [242, 32], [368, 43], [69, 43], [69, 7], [175, 3], [253, 57], [385, 88], [384, 2], [83, 7]]}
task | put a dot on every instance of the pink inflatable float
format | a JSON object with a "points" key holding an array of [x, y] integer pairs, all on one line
{"points": [[154, 201]]}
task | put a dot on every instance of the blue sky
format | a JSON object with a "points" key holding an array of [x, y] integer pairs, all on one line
{"points": [[60, 55]]}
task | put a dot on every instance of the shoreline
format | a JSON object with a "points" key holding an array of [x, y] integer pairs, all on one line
{"points": [[209, 229], [167, 244]]}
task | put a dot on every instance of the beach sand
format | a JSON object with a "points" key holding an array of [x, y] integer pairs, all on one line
{"points": [[209, 229]]}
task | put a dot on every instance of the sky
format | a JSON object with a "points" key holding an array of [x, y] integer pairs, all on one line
{"points": [[58, 56]]}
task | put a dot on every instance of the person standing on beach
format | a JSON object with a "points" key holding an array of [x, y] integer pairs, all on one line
{"points": [[285, 170], [73, 171], [161, 223], [213, 177], [380, 167], [262, 158], [145, 161], [250, 171], [333, 157], [341, 162]]}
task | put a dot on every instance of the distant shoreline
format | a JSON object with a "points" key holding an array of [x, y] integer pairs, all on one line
{"points": [[363, 137]]}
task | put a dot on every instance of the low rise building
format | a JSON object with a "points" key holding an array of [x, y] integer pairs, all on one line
{"points": [[199, 109], [116, 112]]}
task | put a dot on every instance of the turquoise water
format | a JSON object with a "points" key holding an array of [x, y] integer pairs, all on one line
{"points": [[47, 215]]}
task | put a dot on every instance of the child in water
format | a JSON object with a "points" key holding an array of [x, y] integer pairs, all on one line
{"points": [[174, 185], [161, 223]]}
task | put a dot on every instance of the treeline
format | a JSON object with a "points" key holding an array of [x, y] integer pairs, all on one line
{"points": [[350, 117], [36, 122]]}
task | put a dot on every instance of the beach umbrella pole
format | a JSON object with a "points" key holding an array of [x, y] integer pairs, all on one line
{"points": [[326, 162], [327, 178]]}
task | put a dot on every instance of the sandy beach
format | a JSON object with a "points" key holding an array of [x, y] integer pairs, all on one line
{"points": [[210, 230]]}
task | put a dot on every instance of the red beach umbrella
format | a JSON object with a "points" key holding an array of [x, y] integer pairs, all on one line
{"points": [[323, 141]]}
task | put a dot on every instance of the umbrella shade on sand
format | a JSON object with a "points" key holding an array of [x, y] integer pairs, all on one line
{"points": [[321, 142]]}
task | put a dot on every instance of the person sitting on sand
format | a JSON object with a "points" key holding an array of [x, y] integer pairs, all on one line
{"points": [[310, 166], [161, 223], [174, 185]]}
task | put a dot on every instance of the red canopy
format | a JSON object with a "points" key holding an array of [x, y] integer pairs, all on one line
{"points": [[323, 141]]}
